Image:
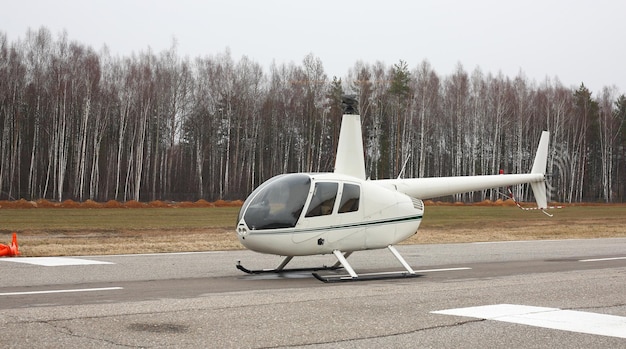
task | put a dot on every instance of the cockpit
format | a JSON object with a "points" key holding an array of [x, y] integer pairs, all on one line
{"points": [[280, 202]]}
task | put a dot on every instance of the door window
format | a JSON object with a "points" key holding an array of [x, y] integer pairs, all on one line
{"points": [[323, 199], [350, 198]]}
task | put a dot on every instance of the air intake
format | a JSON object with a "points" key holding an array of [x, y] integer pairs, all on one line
{"points": [[418, 204]]}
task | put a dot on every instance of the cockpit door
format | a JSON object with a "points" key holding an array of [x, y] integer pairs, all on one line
{"points": [[331, 212]]}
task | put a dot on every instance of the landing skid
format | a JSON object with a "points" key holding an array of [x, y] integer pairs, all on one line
{"points": [[365, 277], [342, 262], [353, 276], [281, 268]]}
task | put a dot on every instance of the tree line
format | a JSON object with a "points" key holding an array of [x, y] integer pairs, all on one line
{"points": [[80, 124]]}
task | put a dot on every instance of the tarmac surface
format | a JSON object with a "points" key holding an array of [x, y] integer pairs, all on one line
{"points": [[190, 300]]}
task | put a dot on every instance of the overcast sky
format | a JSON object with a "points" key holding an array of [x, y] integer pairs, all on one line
{"points": [[576, 41]]}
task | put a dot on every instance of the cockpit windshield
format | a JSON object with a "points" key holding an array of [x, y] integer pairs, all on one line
{"points": [[277, 203]]}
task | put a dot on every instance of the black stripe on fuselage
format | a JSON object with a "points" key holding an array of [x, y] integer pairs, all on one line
{"points": [[338, 227]]}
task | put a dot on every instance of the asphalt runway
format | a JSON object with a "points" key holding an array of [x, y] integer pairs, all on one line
{"points": [[191, 300]]}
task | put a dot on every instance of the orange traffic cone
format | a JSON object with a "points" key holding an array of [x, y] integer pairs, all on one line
{"points": [[10, 251], [14, 249]]}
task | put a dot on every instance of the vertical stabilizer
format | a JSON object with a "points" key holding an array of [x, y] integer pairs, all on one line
{"points": [[350, 158], [541, 158], [539, 166]]}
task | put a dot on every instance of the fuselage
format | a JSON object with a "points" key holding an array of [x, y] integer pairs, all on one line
{"points": [[303, 214]]}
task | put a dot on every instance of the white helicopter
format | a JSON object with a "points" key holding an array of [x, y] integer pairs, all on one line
{"points": [[303, 214]]}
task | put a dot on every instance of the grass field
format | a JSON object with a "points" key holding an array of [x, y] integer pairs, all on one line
{"points": [[58, 232]]}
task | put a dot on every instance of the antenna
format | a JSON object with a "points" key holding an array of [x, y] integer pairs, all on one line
{"points": [[404, 166]]}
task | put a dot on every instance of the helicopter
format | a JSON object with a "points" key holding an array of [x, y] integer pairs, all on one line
{"points": [[341, 212]]}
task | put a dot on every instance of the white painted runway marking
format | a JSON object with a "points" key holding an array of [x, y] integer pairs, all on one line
{"points": [[62, 291], [53, 261], [602, 259], [159, 254], [523, 241], [553, 318], [446, 269]]}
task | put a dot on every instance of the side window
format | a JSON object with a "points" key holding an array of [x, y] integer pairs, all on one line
{"points": [[323, 199], [350, 198]]}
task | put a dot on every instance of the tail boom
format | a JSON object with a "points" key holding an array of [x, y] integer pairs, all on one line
{"points": [[432, 187], [428, 188]]}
